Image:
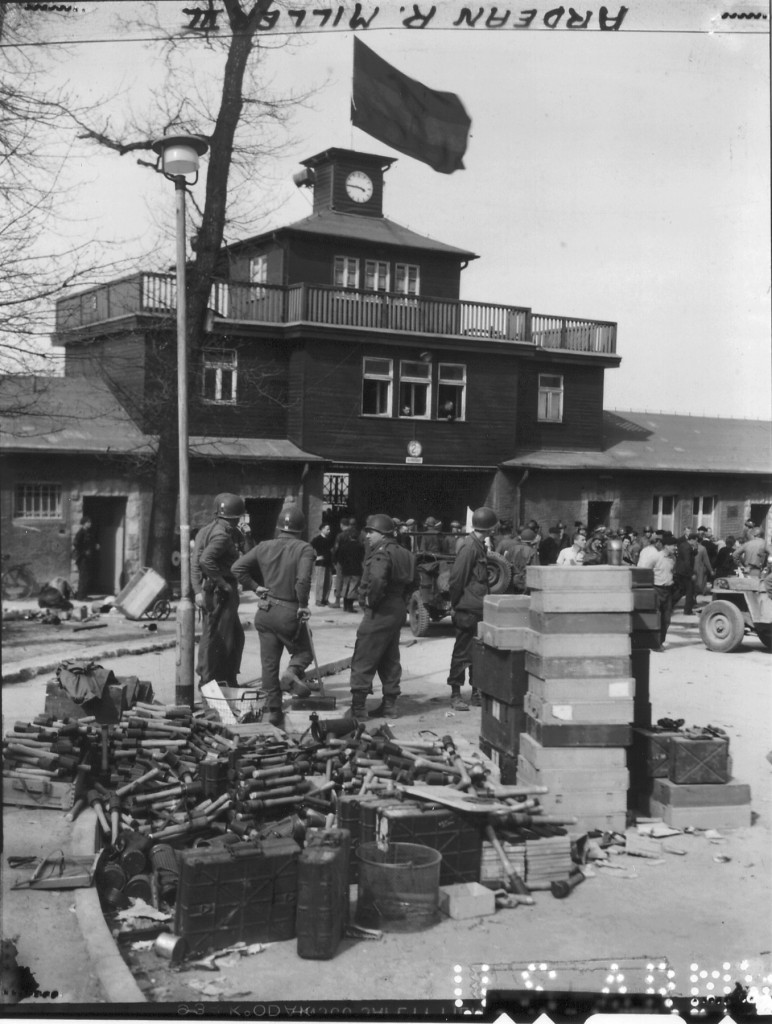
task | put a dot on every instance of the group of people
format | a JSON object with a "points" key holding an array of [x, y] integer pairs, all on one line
{"points": [[280, 571], [376, 568], [340, 560]]}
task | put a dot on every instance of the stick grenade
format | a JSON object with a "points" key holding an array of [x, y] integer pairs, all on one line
{"points": [[271, 773], [502, 792], [75, 810], [258, 801], [316, 663], [257, 790], [94, 802], [165, 794], [455, 759], [516, 883], [115, 814], [515, 818], [136, 783], [563, 888]]}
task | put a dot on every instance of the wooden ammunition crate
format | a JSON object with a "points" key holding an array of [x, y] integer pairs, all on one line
{"points": [[579, 735], [499, 674], [501, 724], [617, 711], [698, 760], [506, 609]]}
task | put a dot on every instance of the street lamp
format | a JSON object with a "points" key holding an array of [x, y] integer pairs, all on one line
{"points": [[178, 156]]}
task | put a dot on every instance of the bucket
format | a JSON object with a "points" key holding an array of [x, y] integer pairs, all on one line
{"points": [[399, 886]]}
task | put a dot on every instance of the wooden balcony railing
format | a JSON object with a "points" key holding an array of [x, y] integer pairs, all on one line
{"points": [[344, 307]]}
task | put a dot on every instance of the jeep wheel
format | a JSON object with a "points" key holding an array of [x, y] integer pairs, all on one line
{"points": [[499, 573], [722, 626], [418, 616]]}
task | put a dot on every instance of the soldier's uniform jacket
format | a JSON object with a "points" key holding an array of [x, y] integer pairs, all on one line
{"points": [[284, 565], [469, 576], [389, 570], [215, 549]]}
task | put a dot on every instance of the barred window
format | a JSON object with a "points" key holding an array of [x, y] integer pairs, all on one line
{"points": [[38, 501]]}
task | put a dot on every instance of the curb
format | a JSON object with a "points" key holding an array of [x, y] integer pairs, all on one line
{"points": [[111, 969], [24, 673]]}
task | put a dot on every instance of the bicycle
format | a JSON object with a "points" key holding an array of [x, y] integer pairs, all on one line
{"points": [[18, 581]]}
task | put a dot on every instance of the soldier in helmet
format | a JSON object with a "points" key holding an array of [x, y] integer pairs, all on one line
{"points": [[386, 580], [216, 548], [280, 571], [468, 586]]}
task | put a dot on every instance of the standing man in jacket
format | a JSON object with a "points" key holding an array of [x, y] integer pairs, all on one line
{"points": [[322, 545], [468, 586], [85, 548], [215, 549], [279, 571], [386, 580], [683, 572]]}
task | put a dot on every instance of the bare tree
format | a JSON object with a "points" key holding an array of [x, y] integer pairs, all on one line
{"points": [[38, 262], [239, 106]]}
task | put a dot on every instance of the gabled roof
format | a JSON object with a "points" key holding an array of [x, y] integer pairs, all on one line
{"points": [[644, 441], [352, 226], [81, 415]]}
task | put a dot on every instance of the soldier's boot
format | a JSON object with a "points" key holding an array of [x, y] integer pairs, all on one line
{"points": [[291, 682], [276, 717], [358, 707], [457, 703], [386, 709], [348, 606], [476, 700]]}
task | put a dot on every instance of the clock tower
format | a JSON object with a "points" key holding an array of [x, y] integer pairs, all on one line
{"points": [[346, 181]]}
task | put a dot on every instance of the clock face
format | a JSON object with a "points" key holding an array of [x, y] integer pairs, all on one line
{"points": [[414, 448], [359, 186]]}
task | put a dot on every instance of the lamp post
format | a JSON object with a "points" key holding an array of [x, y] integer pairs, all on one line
{"points": [[178, 156]]}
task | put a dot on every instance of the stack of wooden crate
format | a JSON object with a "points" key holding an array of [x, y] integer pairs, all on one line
{"points": [[685, 778], [580, 700], [499, 673]]}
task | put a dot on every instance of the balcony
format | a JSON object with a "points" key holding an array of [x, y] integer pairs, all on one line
{"points": [[155, 294]]}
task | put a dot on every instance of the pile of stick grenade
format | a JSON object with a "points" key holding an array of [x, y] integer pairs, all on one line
{"points": [[172, 774]]}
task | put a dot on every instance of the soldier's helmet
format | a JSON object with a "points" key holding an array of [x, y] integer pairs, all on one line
{"points": [[291, 520], [229, 506], [380, 523], [484, 518]]}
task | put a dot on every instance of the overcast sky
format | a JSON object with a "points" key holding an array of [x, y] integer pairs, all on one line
{"points": [[613, 175]]}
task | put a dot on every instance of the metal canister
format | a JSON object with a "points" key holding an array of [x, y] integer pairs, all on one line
{"points": [[140, 887], [166, 867], [614, 551], [136, 848], [171, 947]]}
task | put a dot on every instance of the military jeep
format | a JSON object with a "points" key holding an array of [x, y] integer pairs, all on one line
{"points": [[430, 600], [739, 606]]}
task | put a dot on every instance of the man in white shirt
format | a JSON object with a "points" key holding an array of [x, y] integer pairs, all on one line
{"points": [[663, 583], [650, 553], [575, 554]]}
